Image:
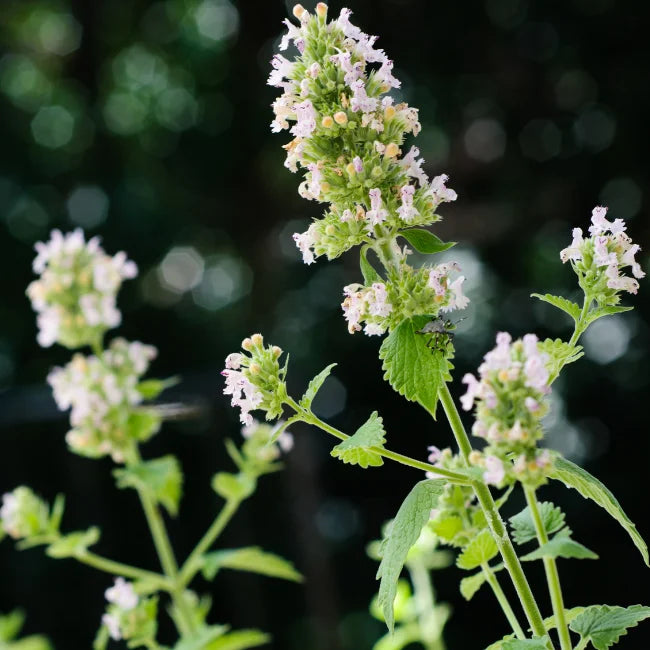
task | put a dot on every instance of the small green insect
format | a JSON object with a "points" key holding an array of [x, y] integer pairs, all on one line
{"points": [[441, 331]]}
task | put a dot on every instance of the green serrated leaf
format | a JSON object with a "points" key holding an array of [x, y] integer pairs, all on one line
{"points": [[412, 368], [161, 477], [142, 424], [448, 527], [560, 353], [480, 549], [233, 487], [240, 640], [73, 543], [471, 584], [370, 275], [200, 640], [565, 305], [523, 526], [526, 644], [400, 536], [356, 450], [591, 488], [610, 310], [604, 625], [314, 386], [550, 623], [252, 559], [424, 241], [561, 546]]}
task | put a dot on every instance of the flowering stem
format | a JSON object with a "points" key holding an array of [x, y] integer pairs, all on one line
{"points": [[552, 575], [310, 418], [165, 553], [193, 562], [430, 627], [125, 570], [499, 531], [503, 600]]}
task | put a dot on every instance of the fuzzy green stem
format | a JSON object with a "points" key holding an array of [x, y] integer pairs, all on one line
{"points": [[552, 575], [499, 531], [503, 601], [310, 418], [425, 601], [165, 553], [578, 330], [583, 644], [120, 569], [193, 562]]}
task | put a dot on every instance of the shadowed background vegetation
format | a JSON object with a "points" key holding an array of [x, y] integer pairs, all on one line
{"points": [[146, 122]]}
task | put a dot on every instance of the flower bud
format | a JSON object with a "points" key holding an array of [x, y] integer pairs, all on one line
{"points": [[341, 118], [247, 344], [330, 230], [327, 121], [277, 351], [321, 10], [298, 11], [257, 340], [391, 150], [349, 168], [255, 368]]}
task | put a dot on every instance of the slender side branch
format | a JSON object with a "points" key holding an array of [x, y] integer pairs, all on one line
{"points": [[193, 563], [499, 531], [552, 575], [425, 600], [165, 554], [125, 570], [310, 418], [503, 600]]}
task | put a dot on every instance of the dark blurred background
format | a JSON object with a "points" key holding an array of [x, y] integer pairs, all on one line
{"points": [[146, 122]]}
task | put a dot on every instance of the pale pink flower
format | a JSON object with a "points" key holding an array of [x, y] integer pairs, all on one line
{"points": [[407, 211], [495, 472], [377, 213]]}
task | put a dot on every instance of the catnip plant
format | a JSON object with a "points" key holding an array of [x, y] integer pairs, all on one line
{"points": [[111, 414], [349, 145]]}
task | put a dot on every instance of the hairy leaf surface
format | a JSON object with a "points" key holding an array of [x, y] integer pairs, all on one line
{"points": [[356, 449], [590, 487], [481, 548], [523, 526], [412, 368], [604, 625], [401, 534]]}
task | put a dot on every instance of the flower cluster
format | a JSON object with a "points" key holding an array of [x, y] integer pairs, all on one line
{"points": [[128, 616], [255, 380], [457, 517], [510, 402], [349, 135], [76, 292], [382, 306], [23, 514], [103, 396], [600, 259]]}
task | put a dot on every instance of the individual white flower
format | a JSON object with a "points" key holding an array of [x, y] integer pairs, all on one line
{"points": [[495, 472], [305, 242], [407, 211], [112, 623], [122, 594], [377, 212]]}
